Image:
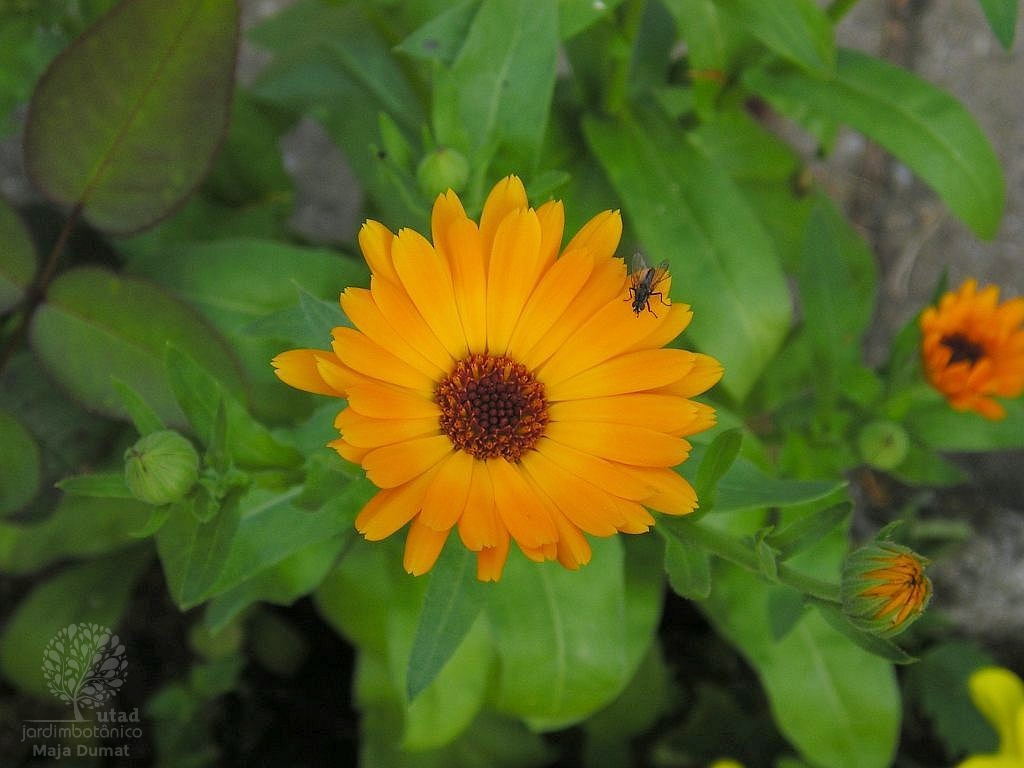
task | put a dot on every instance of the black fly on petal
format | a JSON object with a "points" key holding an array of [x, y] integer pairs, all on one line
{"points": [[644, 281]]}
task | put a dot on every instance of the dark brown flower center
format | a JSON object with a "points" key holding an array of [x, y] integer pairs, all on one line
{"points": [[963, 348], [492, 406]]}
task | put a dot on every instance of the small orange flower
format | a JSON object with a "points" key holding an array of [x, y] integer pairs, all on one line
{"points": [[973, 348], [884, 588], [496, 386]]}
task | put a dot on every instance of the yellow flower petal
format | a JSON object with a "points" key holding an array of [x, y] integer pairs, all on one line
{"points": [[513, 271], [395, 303], [375, 243], [616, 479], [705, 373], [384, 401], [393, 465], [366, 316], [446, 497], [392, 508], [551, 216], [298, 368], [621, 442], [999, 696], [479, 525], [587, 507], [364, 432], [422, 547], [673, 493], [636, 371], [525, 517], [600, 235], [508, 196], [465, 252], [367, 357], [664, 413], [490, 561], [428, 281]]}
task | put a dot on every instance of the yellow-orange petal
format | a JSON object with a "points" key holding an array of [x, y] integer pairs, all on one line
{"points": [[525, 517], [384, 401], [573, 547], [551, 216], [490, 561], [364, 432], [645, 369], [673, 495], [557, 288], [676, 320], [393, 465], [364, 313], [463, 247], [638, 519], [588, 507], [506, 196], [664, 413], [375, 243], [611, 477], [513, 271], [446, 497], [447, 210], [479, 525], [705, 373], [298, 368], [403, 316], [601, 235], [336, 374], [621, 442], [423, 545], [392, 508], [607, 280], [347, 451], [541, 553], [364, 356], [428, 281]]}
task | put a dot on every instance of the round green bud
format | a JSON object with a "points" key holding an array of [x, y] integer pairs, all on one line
{"points": [[883, 444], [161, 467], [441, 170], [884, 589]]}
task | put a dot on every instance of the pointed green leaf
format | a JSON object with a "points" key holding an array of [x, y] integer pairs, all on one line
{"points": [[248, 442], [688, 568], [20, 472], [806, 531], [715, 462], [877, 646], [923, 126], [797, 30], [125, 121], [453, 600], [1002, 17], [441, 38], [496, 95], [689, 211], [17, 258], [108, 485], [139, 411], [96, 325]]}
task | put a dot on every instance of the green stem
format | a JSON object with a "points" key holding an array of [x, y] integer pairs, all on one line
{"points": [[615, 95], [739, 553]]}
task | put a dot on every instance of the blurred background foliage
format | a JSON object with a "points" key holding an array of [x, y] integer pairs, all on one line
{"points": [[146, 300]]}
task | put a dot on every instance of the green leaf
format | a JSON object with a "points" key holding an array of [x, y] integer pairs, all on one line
{"points": [[564, 648], [877, 646], [207, 276], [453, 600], [80, 527], [804, 532], [95, 326], [249, 443], [20, 472], [688, 211], [688, 568], [745, 487], [109, 485], [495, 97], [94, 593], [715, 462], [125, 122], [922, 125], [17, 258], [574, 16], [1002, 17], [942, 429], [441, 38], [160, 515], [836, 703], [139, 411], [797, 30], [281, 584]]}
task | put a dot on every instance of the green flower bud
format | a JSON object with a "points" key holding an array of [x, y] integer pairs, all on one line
{"points": [[441, 170], [161, 467], [884, 589], [883, 444]]}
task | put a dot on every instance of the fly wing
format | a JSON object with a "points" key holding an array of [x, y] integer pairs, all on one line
{"points": [[660, 273], [638, 268]]}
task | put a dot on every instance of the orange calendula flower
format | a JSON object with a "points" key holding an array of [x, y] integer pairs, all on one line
{"points": [[501, 385], [973, 348], [884, 588]]}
